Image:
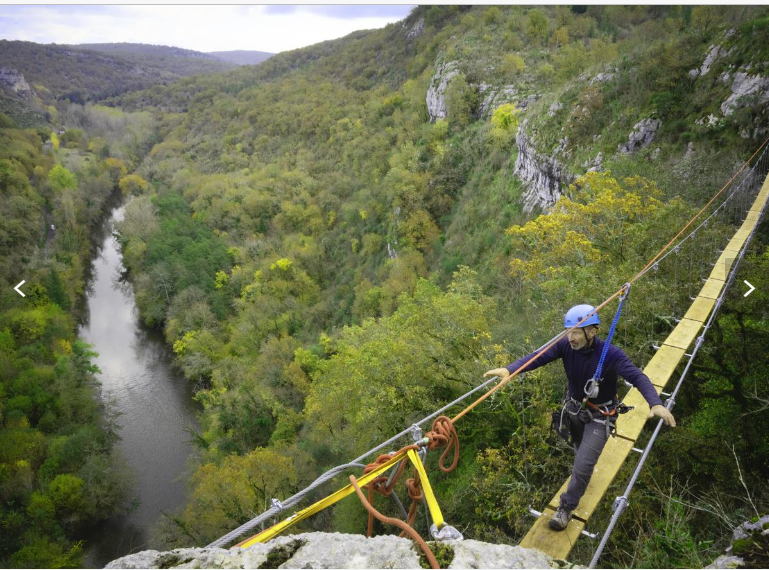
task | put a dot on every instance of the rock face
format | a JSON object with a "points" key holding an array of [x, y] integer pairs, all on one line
{"points": [[493, 97], [746, 90], [543, 176], [715, 53], [748, 548], [327, 550], [436, 100], [642, 135], [15, 81], [413, 31]]}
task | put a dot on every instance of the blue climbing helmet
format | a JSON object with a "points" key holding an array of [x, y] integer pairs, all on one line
{"points": [[579, 312]]}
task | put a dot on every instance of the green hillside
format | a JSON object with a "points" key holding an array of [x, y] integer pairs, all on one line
{"points": [[242, 57], [89, 73], [342, 239], [368, 275]]}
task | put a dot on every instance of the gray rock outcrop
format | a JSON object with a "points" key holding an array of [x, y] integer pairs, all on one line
{"points": [[14, 81], [642, 135], [748, 540], [596, 164], [436, 99], [602, 77], [542, 175], [493, 97], [714, 54], [335, 550], [747, 90], [414, 31]]}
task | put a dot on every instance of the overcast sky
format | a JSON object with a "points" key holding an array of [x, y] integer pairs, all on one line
{"points": [[202, 28]]}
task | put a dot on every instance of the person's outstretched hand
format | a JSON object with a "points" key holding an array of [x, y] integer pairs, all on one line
{"points": [[503, 373], [664, 413]]}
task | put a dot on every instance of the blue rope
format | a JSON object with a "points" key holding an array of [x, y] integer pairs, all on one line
{"points": [[613, 327]]}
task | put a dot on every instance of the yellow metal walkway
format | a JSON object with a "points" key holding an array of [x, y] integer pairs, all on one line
{"points": [[659, 370]]}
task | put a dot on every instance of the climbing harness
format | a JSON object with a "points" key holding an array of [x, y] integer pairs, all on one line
{"points": [[592, 386]]}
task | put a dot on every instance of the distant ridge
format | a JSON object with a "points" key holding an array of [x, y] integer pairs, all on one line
{"points": [[144, 49], [242, 57]]}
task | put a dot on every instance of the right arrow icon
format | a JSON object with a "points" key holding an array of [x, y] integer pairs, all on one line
{"points": [[751, 288]]}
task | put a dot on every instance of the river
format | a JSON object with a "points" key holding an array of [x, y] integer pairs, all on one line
{"points": [[153, 400]]}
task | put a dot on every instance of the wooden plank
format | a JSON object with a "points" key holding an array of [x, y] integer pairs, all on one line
{"points": [[612, 458], [700, 309], [752, 216], [735, 244], [684, 333], [743, 232], [629, 425], [557, 544], [723, 265], [712, 288], [662, 365]]}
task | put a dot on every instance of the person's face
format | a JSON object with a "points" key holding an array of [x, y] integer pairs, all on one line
{"points": [[579, 338]]}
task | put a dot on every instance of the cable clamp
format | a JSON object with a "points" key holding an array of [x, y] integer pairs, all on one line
{"points": [[619, 502], [416, 432], [277, 505]]}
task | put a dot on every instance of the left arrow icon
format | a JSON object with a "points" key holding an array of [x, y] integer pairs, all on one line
{"points": [[19, 290]]}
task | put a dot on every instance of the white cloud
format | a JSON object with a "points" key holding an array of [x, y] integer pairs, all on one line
{"points": [[202, 28]]}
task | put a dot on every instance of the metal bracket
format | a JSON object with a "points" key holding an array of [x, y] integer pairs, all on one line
{"points": [[619, 502], [416, 432], [277, 504], [637, 450], [446, 532], [593, 535]]}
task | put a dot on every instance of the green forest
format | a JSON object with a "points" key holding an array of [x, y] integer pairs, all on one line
{"points": [[329, 262]]}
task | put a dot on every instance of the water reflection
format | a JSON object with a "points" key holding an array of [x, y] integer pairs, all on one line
{"points": [[152, 402]]}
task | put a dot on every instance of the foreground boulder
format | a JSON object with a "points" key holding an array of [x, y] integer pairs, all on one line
{"points": [[336, 550]]}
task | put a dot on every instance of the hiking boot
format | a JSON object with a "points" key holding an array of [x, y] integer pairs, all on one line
{"points": [[560, 519]]}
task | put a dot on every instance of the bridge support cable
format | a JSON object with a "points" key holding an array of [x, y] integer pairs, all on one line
{"points": [[621, 502]]}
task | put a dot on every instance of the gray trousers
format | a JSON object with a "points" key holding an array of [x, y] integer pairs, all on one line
{"points": [[589, 440]]}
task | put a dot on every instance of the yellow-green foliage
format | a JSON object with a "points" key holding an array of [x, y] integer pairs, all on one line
{"points": [[133, 184], [225, 496], [602, 226]]}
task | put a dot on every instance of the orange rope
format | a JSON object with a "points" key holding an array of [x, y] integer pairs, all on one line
{"points": [[442, 434], [395, 522]]}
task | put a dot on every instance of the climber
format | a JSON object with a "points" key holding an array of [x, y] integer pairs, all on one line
{"points": [[591, 420]]}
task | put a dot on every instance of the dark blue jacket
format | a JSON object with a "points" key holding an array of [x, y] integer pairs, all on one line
{"points": [[580, 366]]}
